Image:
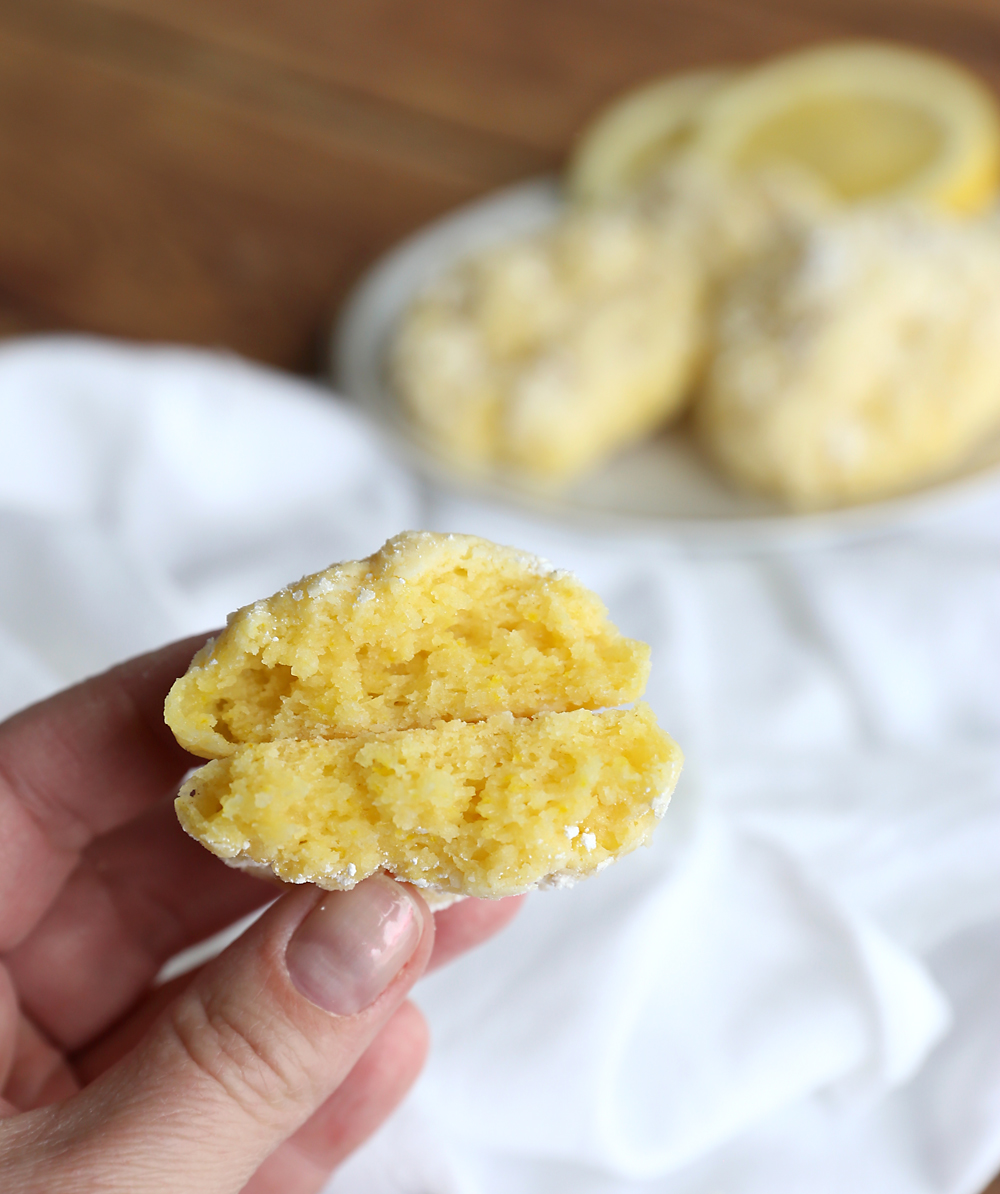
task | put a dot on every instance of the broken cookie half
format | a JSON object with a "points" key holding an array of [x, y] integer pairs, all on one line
{"points": [[442, 711]]}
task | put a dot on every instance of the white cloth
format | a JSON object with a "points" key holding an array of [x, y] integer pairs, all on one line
{"points": [[796, 988]]}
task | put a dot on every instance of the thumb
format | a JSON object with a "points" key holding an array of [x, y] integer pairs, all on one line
{"points": [[248, 1051]]}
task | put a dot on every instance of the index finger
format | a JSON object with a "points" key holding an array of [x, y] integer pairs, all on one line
{"points": [[76, 765]]}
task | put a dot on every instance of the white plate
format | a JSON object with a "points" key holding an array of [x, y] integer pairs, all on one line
{"points": [[663, 486]]}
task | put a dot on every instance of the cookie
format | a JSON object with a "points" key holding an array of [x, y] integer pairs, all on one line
{"points": [[485, 808], [858, 357], [439, 711], [430, 627], [543, 356]]}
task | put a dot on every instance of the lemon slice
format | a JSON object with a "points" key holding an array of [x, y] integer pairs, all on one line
{"points": [[871, 120], [636, 134]]}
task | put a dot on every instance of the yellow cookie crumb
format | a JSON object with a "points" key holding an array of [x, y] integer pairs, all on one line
{"points": [[437, 711], [499, 805], [430, 627]]}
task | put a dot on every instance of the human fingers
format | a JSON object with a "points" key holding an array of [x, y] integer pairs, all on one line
{"points": [[40, 1073], [8, 1026], [376, 1083], [385, 1072], [139, 895], [457, 929], [31, 1070], [381, 1077], [75, 766], [97, 1056], [254, 1045], [379, 1080], [469, 923]]}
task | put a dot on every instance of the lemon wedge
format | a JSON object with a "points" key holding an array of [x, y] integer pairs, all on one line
{"points": [[638, 133], [870, 120]]}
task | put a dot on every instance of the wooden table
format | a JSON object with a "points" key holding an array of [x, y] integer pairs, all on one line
{"points": [[221, 171]]}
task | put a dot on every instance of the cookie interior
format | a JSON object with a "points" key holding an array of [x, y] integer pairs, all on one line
{"points": [[487, 809], [431, 628]]}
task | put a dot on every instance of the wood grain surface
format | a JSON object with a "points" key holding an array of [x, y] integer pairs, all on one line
{"points": [[221, 171]]}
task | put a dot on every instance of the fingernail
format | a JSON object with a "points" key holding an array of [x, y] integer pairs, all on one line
{"points": [[353, 943]]}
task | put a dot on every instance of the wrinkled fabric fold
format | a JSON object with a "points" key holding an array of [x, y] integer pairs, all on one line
{"points": [[794, 987]]}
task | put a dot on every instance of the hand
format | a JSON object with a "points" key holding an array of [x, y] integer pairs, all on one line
{"points": [[262, 1070]]}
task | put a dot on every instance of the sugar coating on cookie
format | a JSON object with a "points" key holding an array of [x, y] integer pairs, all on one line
{"points": [[441, 711], [857, 357], [492, 808], [544, 354], [538, 358], [430, 627]]}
